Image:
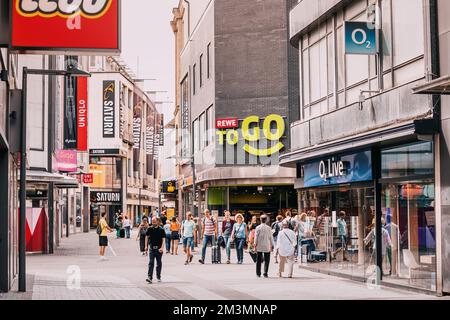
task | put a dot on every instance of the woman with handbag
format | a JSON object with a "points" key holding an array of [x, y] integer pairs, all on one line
{"points": [[239, 236]]}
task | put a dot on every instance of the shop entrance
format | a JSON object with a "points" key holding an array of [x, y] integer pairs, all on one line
{"points": [[354, 255], [98, 209]]}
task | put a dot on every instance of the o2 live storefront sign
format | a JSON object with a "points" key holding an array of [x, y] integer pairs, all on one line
{"points": [[258, 137], [66, 25], [356, 167]]}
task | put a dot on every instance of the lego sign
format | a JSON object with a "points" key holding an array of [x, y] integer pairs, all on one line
{"points": [[66, 25]]}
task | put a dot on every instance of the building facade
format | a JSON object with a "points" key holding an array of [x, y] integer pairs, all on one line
{"points": [[229, 73], [364, 144], [124, 142]]}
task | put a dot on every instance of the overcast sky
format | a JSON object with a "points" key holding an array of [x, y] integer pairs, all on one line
{"points": [[147, 35]]}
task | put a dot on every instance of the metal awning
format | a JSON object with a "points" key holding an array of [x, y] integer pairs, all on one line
{"points": [[60, 181], [437, 86]]}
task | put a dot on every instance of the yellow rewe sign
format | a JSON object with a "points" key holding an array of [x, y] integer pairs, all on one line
{"points": [[251, 132]]}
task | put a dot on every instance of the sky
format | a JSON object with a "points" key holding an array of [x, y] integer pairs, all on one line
{"points": [[147, 36]]}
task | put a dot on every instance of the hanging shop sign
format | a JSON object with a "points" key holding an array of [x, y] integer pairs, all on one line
{"points": [[104, 152], [70, 114], [66, 161], [339, 169], [137, 127], [273, 128], [360, 38], [161, 129], [169, 186], [149, 139], [88, 178], [82, 114], [109, 109], [66, 25], [106, 197]]}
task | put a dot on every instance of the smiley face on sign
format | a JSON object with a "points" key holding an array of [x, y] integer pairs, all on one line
{"points": [[250, 134]]}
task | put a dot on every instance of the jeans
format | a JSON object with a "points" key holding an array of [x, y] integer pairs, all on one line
{"points": [[206, 239], [187, 242], [227, 240], [259, 260], [240, 243], [168, 240], [127, 232], [155, 254]]}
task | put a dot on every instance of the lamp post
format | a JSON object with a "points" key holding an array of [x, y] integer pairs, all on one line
{"points": [[71, 71]]}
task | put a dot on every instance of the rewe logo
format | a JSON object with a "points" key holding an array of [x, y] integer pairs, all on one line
{"points": [[64, 8]]}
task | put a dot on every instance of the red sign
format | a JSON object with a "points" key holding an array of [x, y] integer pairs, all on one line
{"points": [[229, 123], [62, 25], [88, 178], [66, 160], [82, 114]]}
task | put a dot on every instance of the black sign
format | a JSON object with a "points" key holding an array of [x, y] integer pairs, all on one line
{"points": [[109, 106], [37, 194], [106, 197], [70, 114], [102, 152], [161, 130], [169, 187]]}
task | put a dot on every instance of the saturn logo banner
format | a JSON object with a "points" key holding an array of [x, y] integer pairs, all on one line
{"points": [[66, 25]]}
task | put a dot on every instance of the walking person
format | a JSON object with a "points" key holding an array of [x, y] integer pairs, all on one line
{"points": [[342, 235], [227, 229], [142, 233], [154, 241], [264, 245], [188, 229], [103, 230], [174, 235], [277, 226], [127, 227], [286, 249], [208, 234], [239, 236], [119, 226], [168, 233]]}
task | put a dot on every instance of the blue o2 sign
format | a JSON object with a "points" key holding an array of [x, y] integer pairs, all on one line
{"points": [[360, 38], [338, 169]]}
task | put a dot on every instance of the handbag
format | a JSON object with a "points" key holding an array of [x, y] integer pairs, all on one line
{"points": [[253, 255]]}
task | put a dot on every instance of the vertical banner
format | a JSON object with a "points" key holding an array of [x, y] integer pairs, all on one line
{"points": [[137, 131], [150, 139], [161, 129], [70, 119], [109, 107], [82, 113], [157, 137]]}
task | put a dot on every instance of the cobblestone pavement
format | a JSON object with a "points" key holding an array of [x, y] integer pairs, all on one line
{"points": [[75, 273]]}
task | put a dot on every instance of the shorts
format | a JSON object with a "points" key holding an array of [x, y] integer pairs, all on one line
{"points": [[103, 241], [187, 241], [175, 235]]}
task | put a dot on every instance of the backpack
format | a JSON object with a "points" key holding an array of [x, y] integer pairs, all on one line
{"points": [[275, 228], [99, 229]]}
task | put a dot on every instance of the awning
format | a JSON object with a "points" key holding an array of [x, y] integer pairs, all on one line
{"points": [[437, 86], [60, 181]]}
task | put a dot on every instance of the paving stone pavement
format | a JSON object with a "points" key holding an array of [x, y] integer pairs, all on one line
{"points": [[74, 272]]}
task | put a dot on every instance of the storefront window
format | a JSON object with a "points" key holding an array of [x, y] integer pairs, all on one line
{"points": [[410, 160], [353, 254]]}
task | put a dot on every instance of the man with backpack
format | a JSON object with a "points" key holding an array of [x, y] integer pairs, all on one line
{"points": [[102, 231], [208, 234], [276, 228]]}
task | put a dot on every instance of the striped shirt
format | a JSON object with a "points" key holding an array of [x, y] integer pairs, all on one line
{"points": [[209, 224]]}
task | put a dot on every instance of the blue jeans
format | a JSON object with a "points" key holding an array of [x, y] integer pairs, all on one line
{"points": [[206, 239], [168, 239], [227, 240], [127, 232], [240, 243], [188, 241]]}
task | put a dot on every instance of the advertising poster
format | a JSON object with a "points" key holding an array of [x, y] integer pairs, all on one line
{"points": [[109, 109], [150, 139], [70, 114]]}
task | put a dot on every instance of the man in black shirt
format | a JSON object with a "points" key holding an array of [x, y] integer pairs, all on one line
{"points": [[155, 238]]}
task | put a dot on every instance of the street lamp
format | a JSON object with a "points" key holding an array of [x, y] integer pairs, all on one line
{"points": [[71, 71]]}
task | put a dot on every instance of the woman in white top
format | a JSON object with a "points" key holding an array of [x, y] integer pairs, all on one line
{"points": [[286, 249], [127, 227]]}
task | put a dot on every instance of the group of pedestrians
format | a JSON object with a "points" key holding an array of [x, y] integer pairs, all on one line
{"points": [[123, 226]]}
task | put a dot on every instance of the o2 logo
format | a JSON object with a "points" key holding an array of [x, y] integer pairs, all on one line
{"points": [[64, 8], [273, 129], [360, 38]]}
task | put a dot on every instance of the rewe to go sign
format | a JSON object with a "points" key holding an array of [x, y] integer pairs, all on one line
{"points": [[272, 129]]}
